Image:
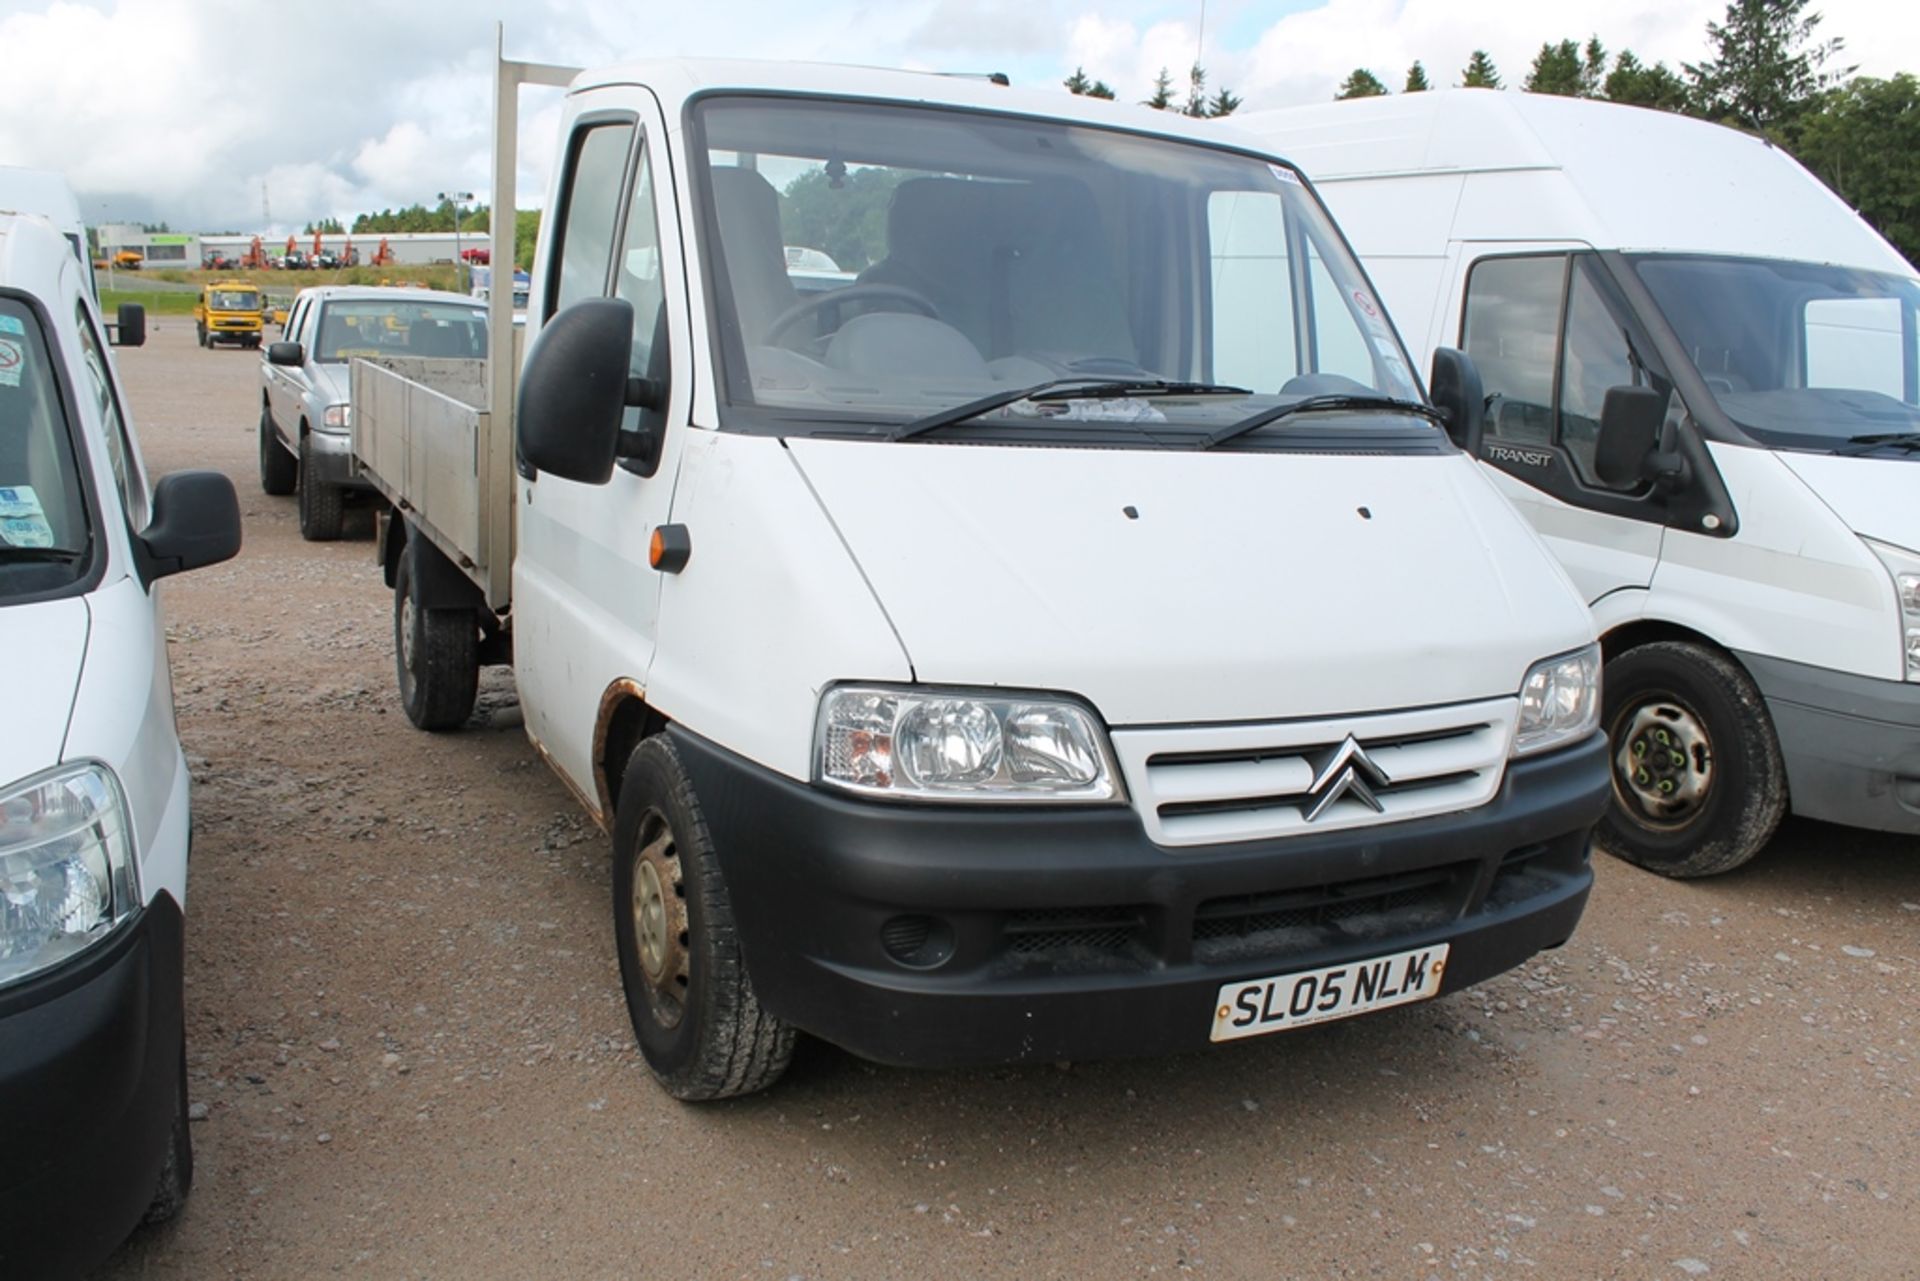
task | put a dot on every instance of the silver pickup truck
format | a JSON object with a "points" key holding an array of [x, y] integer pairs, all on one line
{"points": [[304, 416]]}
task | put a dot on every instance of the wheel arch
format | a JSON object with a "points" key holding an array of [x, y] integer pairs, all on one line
{"points": [[624, 721]]}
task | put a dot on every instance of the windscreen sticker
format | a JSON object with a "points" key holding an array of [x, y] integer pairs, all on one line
{"points": [[19, 502], [26, 531], [12, 325], [12, 357], [1370, 313], [1284, 174]]}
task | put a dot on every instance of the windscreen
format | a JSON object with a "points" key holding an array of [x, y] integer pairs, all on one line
{"points": [[1801, 355], [875, 262], [43, 517], [235, 300], [352, 327]]}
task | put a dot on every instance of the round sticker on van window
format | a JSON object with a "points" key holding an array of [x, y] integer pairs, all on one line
{"points": [[12, 358]]}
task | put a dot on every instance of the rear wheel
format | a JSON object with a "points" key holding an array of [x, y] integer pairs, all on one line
{"points": [[436, 655], [322, 506], [1698, 782], [279, 470], [200, 332], [696, 1016]]}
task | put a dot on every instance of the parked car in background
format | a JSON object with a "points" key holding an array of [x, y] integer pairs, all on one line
{"points": [[1702, 373], [94, 828], [304, 445]]}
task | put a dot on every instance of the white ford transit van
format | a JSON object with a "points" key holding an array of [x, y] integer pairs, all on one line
{"points": [[1702, 373]]}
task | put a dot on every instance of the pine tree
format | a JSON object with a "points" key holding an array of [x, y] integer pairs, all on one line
{"points": [[1162, 92], [1416, 79], [1077, 83], [1479, 72], [1224, 104], [1196, 92], [1637, 85], [1556, 70], [1361, 84], [1766, 72]]}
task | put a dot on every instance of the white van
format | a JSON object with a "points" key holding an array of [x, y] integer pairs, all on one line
{"points": [[45, 192], [1744, 517], [1014, 650], [94, 826]]}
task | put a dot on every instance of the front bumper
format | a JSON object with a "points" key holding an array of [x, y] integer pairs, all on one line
{"points": [[1034, 935], [1851, 743], [90, 1059], [333, 460]]}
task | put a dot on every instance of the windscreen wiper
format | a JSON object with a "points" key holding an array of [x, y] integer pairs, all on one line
{"points": [[1881, 440], [57, 555], [1312, 404], [1105, 388]]}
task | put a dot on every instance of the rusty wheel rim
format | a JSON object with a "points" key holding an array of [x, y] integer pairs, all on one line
{"points": [[659, 908]]}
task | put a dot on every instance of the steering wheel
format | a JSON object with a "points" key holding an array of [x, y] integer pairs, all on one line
{"points": [[871, 292]]}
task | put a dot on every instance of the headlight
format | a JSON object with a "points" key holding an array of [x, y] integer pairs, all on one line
{"points": [[1905, 568], [933, 744], [337, 417], [1559, 702], [67, 874]]}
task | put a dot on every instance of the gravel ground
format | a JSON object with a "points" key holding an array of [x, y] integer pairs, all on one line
{"points": [[410, 1058]]}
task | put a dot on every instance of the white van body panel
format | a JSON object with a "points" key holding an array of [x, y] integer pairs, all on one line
{"points": [[1020, 567], [1875, 496], [44, 644], [123, 714], [768, 564], [1792, 585]]}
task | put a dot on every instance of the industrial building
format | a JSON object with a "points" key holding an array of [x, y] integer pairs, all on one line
{"points": [[178, 249]]}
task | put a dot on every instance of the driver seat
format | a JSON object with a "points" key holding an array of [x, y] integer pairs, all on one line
{"points": [[747, 211]]}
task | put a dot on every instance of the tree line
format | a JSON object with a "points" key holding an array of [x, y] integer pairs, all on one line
{"points": [[1197, 102], [477, 222], [1770, 73]]}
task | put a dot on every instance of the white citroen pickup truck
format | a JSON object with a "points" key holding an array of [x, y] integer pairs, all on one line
{"points": [[94, 823], [1074, 633]]}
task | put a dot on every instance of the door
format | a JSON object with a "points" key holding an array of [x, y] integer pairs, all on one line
{"points": [[1550, 334], [586, 603], [287, 384]]}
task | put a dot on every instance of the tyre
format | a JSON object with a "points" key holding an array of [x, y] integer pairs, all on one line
{"points": [[436, 654], [253, 343], [700, 1026], [176, 1176], [1698, 781], [279, 470], [322, 506], [200, 332]]}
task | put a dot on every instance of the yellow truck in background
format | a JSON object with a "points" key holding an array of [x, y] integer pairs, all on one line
{"points": [[229, 311]]}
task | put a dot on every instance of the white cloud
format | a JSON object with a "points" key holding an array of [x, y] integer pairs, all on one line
{"points": [[182, 109]]}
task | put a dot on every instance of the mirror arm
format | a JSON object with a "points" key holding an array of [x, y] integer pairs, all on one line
{"points": [[646, 393]]}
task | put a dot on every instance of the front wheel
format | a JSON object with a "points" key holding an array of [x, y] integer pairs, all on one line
{"points": [[322, 506], [1698, 781], [436, 653], [279, 470], [200, 332], [699, 1023]]}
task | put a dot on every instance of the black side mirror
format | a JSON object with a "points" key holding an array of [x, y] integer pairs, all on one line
{"points": [[1630, 420], [286, 353], [1457, 392], [196, 522], [575, 390], [130, 327]]}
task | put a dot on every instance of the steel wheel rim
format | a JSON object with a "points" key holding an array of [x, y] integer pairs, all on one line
{"points": [[659, 912], [405, 639], [1663, 762]]}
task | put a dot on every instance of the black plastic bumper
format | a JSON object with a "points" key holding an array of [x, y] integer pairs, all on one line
{"points": [[934, 935], [89, 1083], [1851, 743]]}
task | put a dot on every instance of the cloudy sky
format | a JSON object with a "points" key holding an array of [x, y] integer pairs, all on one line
{"points": [[188, 110]]}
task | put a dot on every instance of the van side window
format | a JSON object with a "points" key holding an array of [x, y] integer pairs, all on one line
{"points": [[98, 389], [596, 167], [639, 279], [1596, 357], [1512, 331]]}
